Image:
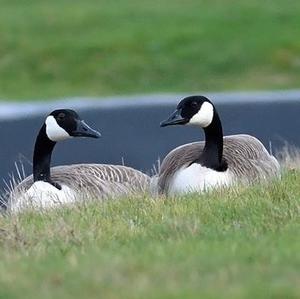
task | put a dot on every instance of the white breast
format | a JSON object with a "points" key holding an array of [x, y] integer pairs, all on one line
{"points": [[197, 178], [42, 195]]}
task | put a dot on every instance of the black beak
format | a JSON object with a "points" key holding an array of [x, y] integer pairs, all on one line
{"points": [[83, 130], [174, 119]]}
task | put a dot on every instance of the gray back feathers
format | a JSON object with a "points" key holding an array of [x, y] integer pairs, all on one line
{"points": [[100, 181], [247, 158]]}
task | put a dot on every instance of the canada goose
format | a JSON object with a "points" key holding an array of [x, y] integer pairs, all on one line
{"points": [[216, 161], [66, 184]]}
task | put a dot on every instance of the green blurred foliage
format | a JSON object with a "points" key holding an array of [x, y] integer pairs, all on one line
{"points": [[95, 47]]}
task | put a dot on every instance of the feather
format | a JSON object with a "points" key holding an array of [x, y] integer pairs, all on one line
{"points": [[247, 159], [95, 181]]}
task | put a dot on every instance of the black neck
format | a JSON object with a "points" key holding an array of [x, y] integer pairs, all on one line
{"points": [[42, 157], [212, 155]]}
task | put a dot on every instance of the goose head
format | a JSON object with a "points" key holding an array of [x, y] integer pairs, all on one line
{"points": [[63, 124], [193, 110], [59, 125]]}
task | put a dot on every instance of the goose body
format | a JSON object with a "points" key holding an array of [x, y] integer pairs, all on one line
{"points": [[82, 181], [217, 161], [248, 162], [70, 183]]}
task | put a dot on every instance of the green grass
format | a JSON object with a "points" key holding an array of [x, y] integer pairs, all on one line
{"points": [[234, 243], [96, 47]]}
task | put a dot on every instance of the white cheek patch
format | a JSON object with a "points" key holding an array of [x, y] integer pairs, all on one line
{"points": [[204, 116], [54, 131]]}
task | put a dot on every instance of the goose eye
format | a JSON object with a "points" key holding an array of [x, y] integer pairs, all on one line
{"points": [[61, 116], [194, 104]]}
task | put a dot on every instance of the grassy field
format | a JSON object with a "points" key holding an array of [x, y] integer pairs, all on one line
{"points": [[92, 48], [238, 243]]}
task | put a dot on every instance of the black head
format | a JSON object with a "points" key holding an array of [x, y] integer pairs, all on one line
{"points": [[65, 123], [193, 110]]}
